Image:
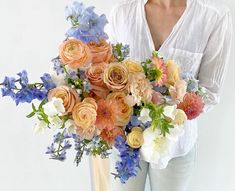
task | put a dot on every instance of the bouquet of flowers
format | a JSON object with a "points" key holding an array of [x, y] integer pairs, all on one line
{"points": [[97, 98]]}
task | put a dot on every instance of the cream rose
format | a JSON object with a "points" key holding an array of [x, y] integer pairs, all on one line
{"points": [[180, 117], [116, 76], [173, 71], [84, 113], [133, 66], [68, 95], [75, 53], [135, 139]]}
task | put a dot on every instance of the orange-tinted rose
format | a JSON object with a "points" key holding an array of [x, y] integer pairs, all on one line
{"points": [[84, 113], [116, 76], [69, 96], [95, 76], [75, 53], [124, 109], [101, 51]]}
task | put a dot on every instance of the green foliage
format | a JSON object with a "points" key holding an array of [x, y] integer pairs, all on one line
{"points": [[120, 51], [39, 112], [158, 119], [150, 72]]}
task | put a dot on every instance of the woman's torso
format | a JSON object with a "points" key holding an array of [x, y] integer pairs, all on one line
{"points": [[185, 44]]}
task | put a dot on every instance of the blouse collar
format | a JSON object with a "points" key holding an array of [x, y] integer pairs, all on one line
{"points": [[187, 1]]}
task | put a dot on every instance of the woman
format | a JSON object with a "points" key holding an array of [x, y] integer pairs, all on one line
{"points": [[197, 35]]}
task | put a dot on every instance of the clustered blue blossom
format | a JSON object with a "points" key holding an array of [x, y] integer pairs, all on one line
{"points": [[62, 142], [135, 122], [128, 166], [87, 25], [58, 149], [192, 82], [26, 92], [47, 81], [125, 50], [57, 66]]}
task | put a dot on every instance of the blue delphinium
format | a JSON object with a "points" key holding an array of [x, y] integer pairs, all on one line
{"points": [[23, 78], [161, 89], [24, 95], [135, 121], [57, 66], [87, 86], [192, 82], [128, 166], [58, 149], [72, 74], [125, 50], [47, 81], [21, 91], [120, 51], [8, 87], [86, 24]]}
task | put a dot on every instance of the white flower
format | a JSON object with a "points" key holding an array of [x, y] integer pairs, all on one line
{"points": [[69, 125], [175, 133], [170, 111], [54, 107], [40, 127], [155, 145], [144, 116], [55, 122], [79, 91]]}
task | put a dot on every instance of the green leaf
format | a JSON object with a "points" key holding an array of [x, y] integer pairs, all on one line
{"points": [[34, 108], [31, 114], [44, 101]]}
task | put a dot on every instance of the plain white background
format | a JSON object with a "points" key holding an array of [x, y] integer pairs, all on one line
{"points": [[30, 33]]}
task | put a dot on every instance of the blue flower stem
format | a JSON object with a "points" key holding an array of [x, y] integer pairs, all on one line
{"points": [[60, 144]]}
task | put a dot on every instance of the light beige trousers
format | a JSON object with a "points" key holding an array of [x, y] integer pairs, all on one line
{"points": [[175, 177]]}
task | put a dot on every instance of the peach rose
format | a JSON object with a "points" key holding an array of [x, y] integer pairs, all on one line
{"points": [[95, 74], [116, 76], [95, 77], [178, 91], [133, 66], [173, 72], [124, 109], [69, 96], [75, 53], [101, 51], [135, 138], [84, 113]]}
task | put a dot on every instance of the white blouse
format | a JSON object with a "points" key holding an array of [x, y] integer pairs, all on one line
{"points": [[200, 43]]}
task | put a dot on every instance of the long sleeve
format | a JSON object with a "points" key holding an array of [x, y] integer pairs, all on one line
{"points": [[215, 60]]}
